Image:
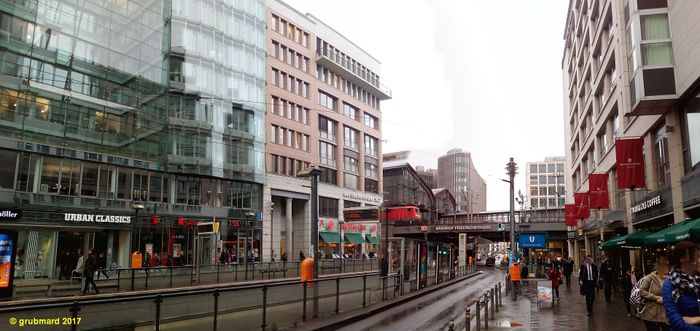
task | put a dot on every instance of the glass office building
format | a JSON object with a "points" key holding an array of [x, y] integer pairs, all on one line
{"points": [[107, 105]]}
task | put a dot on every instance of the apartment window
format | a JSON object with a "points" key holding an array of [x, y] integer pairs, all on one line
{"points": [[327, 153], [326, 100], [533, 180], [533, 191], [326, 128], [533, 168], [273, 134], [543, 179], [603, 144], [663, 169], [692, 123], [329, 176], [560, 167], [305, 116], [533, 203], [543, 190], [350, 164], [543, 168], [327, 207], [371, 185], [273, 164], [656, 44], [350, 136], [351, 181], [370, 120], [552, 190], [370, 146], [273, 78], [370, 170], [350, 111], [551, 168]]}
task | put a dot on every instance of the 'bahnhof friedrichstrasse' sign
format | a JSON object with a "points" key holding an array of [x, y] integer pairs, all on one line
{"points": [[462, 228], [92, 218]]}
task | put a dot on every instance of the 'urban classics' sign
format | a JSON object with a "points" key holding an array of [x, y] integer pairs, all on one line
{"points": [[10, 214], [90, 218], [449, 228], [655, 201], [362, 197]]}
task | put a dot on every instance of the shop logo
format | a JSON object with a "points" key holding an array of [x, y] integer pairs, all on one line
{"points": [[331, 225], [10, 214], [532, 239]]}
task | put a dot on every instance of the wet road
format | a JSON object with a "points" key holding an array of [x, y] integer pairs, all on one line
{"points": [[432, 311]]}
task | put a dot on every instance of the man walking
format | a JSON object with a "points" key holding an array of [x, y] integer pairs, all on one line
{"points": [[588, 278], [607, 273], [567, 265], [90, 268]]}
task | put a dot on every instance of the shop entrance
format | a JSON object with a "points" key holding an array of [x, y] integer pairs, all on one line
{"points": [[72, 245], [204, 252]]}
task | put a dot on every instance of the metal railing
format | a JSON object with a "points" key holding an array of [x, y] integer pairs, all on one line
{"points": [[233, 306], [490, 304]]}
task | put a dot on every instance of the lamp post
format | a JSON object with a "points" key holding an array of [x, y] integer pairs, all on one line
{"points": [[313, 173], [136, 207], [512, 170]]}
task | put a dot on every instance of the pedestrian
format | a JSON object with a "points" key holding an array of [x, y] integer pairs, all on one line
{"points": [[650, 289], [554, 274], [607, 273], [515, 278], [102, 266], [568, 268], [301, 256], [588, 281], [223, 259], [681, 289], [628, 281], [90, 268]]}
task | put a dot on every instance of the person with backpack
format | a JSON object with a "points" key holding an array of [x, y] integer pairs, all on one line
{"points": [[681, 288], [650, 289]]}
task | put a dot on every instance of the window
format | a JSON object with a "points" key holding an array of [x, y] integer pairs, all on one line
{"points": [[326, 128], [371, 185], [692, 122], [350, 111], [543, 168], [534, 191], [8, 163], [326, 100], [560, 167], [533, 180], [551, 168], [370, 170], [327, 207], [543, 190], [329, 176], [350, 136], [533, 168], [370, 146], [351, 204], [327, 154], [351, 181], [661, 163], [656, 46], [534, 204], [370, 121], [273, 134], [350, 164], [273, 77]]}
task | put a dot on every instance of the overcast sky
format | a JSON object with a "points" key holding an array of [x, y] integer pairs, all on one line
{"points": [[481, 75]]}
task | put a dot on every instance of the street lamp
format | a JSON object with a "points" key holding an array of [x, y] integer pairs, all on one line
{"points": [[136, 244], [511, 171], [313, 173]]}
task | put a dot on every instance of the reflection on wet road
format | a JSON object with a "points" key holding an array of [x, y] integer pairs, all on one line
{"points": [[435, 310]]}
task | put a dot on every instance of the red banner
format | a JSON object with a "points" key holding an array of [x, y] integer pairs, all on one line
{"points": [[570, 211], [630, 163], [582, 205], [598, 190]]}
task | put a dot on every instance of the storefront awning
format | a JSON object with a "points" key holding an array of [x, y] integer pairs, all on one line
{"points": [[373, 240], [329, 237], [632, 240], [354, 238], [686, 230]]}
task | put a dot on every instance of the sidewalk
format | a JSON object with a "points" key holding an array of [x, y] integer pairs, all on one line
{"points": [[569, 313]]}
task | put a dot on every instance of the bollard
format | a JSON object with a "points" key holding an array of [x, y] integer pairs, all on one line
{"points": [[496, 292], [467, 319], [478, 315], [486, 312], [500, 295], [493, 314]]}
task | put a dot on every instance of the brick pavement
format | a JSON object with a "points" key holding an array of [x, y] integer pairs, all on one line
{"points": [[569, 313]]}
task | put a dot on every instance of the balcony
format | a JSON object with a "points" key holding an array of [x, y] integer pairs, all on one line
{"points": [[332, 61], [653, 91]]}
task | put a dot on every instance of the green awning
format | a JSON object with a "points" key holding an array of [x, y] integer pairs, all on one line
{"points": [[354, 238], [632, 240], [329, 237], [612, 244], [372, 240], [686, 230]]}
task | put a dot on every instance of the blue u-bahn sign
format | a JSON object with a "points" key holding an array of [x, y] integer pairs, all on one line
{"points": [[533, 240]]}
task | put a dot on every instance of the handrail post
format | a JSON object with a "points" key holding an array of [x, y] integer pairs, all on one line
{"points": [[158, 301], [217, 272], [303, 316], [495, 293], [337, 295], [133, 271], [478, 315], [146, 285], [216, 307], [492, 304], [264, 312], [74, 313], [486, 311], [118, 278], [171, 275], [235, 272], [467, 319]]}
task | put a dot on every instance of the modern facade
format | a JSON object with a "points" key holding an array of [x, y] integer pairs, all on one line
{"points": [[107, 106], [457, 173], [323, 106], [629, 70], [544, 182], [428, 175]]}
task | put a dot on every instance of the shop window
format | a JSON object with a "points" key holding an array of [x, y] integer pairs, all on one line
{"points": [[8, 164], [49, 175], [88, 185]]}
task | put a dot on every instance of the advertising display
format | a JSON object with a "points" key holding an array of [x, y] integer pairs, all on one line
{"points": [[462, 249], [423, 266], [8, 246]]}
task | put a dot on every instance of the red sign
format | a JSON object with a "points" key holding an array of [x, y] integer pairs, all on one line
{"points": [[630, 163], [598, 190], [320, 224], [424, 228], [155, 219], [352, 226], [374, 228], [570, 211], [235, 223], [180, 221], [581, 200], [330, 225]]}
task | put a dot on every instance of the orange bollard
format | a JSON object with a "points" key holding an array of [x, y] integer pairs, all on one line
{"points": [[307, 270]]}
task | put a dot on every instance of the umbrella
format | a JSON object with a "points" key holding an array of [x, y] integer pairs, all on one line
{"points": [[686, 230], [632, 240], [612, 244]]}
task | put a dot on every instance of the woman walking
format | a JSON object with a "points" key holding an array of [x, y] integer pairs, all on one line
{"points": [[554, 274], [680, 290], [628, 281], [650, 289]]}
